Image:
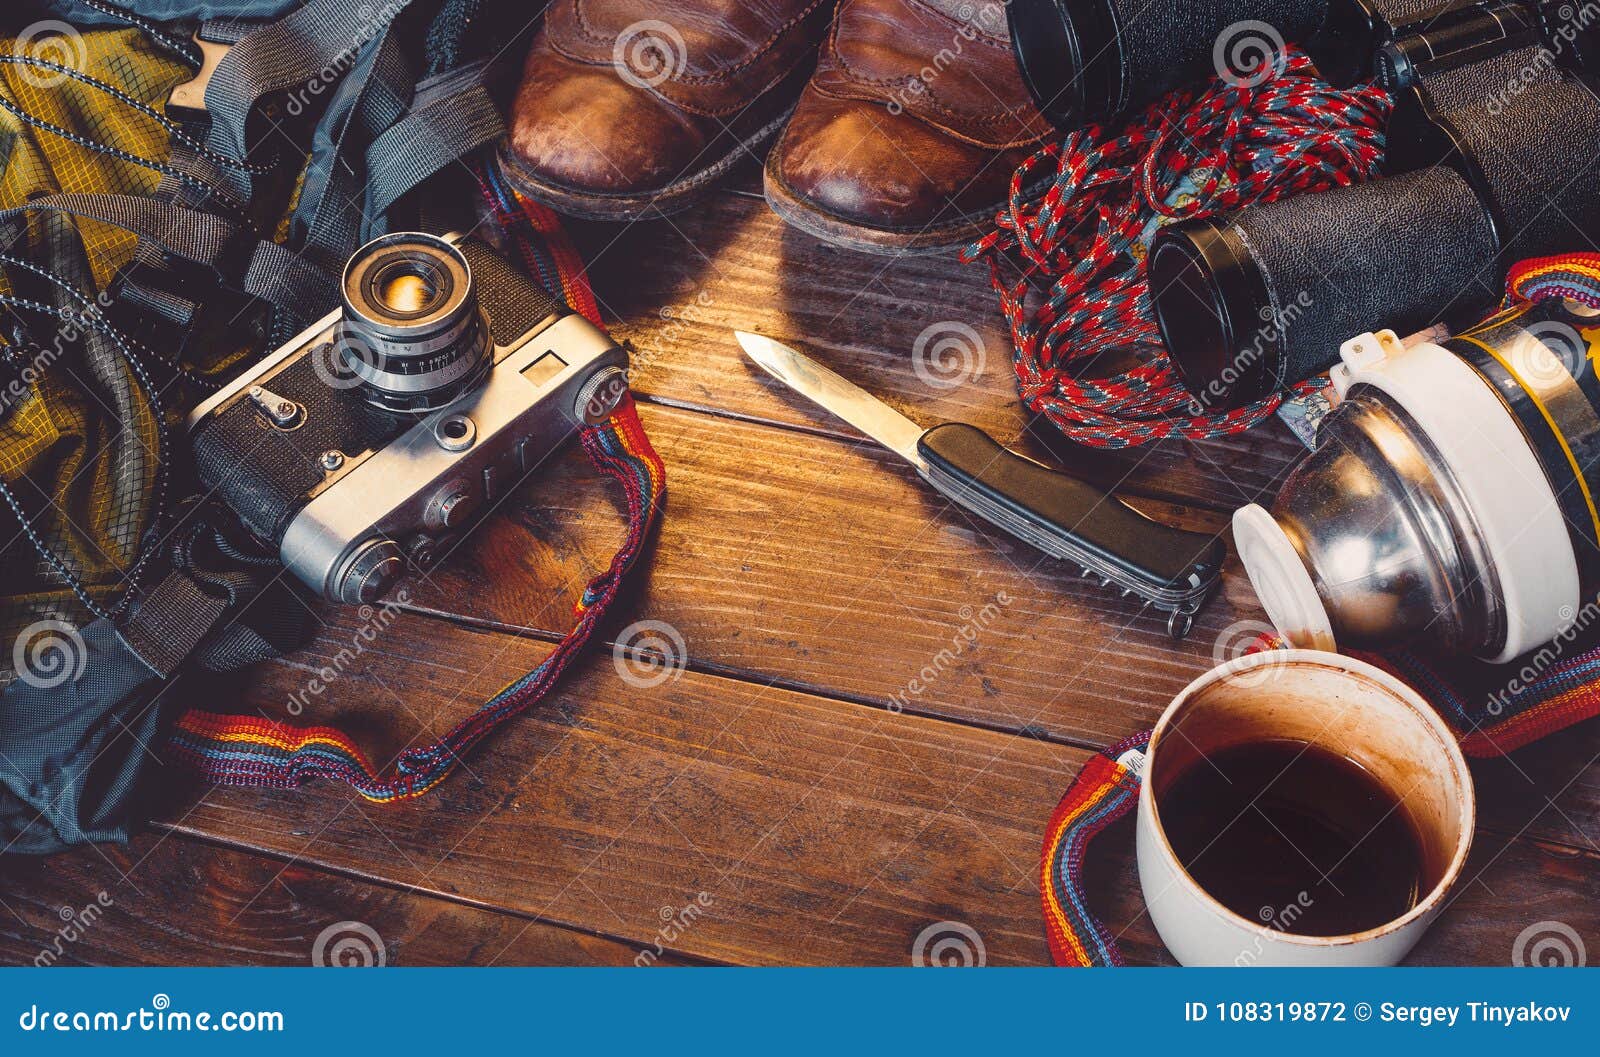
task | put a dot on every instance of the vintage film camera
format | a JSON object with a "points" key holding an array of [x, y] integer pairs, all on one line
{"points": [[371, 441]]}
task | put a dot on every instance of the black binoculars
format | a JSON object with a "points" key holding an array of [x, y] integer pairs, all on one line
{"points": [[1493, 157]]}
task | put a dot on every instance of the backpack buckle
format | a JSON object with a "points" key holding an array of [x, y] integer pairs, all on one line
{"points": [[187, 101]]}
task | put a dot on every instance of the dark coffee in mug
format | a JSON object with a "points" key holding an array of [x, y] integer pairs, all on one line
{"points": [[1294, 837]]}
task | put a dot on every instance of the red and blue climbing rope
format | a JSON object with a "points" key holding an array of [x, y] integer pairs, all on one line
{"points": [[1069, 267]]}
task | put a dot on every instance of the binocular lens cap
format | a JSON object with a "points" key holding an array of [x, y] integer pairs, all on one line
{"points": [[1213, 310], [1070, 56]]}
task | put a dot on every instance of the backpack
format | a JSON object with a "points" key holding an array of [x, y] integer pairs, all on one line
{"points": [[179, 189]]}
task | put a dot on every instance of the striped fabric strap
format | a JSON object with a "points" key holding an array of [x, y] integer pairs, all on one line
{"points": [[254, 751], [535, 230], [1571, 275], [1545, 694], [1105, 790]]}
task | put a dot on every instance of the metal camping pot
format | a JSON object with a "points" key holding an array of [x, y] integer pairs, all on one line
{"points": [[1451, 499]]}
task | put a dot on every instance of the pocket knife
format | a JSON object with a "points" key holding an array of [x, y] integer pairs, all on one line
{"points": [[1174, 571]]}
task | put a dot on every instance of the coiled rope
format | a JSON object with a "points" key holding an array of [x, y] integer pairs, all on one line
{"points": [[1195, 153]]}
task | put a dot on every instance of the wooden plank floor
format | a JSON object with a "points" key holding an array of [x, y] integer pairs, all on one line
{"points": [[785, 797]]}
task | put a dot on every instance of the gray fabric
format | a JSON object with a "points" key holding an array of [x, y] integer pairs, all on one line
{"points": [[332, 218], [170, 622], [295, 285], [74, 737], [292, 53], [452, 116], [186, 233]]}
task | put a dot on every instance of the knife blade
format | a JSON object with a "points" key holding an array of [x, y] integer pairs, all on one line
{"points": [[1173, 570]]}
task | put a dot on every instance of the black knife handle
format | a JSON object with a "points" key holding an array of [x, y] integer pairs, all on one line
{"points": [[1072, 519]]}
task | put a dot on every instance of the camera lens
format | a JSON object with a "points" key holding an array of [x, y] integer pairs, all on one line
{"points": [[407, 290], [412, 332], [1096, 60], [1250, 304]]}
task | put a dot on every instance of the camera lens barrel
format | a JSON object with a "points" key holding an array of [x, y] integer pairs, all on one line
{"points": [[1250, 304], [413, 333]]}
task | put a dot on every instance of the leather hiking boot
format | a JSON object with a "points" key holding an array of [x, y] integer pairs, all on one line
{"points": [[632, 108], [906, 138]]}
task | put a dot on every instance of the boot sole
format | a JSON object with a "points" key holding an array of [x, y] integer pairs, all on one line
{"points": [[666, 201], [862, 238]]}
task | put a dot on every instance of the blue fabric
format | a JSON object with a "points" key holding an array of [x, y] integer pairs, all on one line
{"points": [[79, 14]]}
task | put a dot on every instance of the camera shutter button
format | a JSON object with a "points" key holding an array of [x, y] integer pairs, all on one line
{"points": [[370, 572]]}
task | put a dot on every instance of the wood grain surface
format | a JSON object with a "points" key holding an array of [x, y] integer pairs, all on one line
{"points": [[164, 900], [850, 723]]}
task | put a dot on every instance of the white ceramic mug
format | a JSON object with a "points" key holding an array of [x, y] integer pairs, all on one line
{"points": [[1339, 704]]}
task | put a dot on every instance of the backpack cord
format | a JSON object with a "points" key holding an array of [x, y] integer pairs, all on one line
{"points": [[90, 317], [186, 50], [1195, 153]]}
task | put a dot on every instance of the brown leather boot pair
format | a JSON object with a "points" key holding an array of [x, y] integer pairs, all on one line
{"points": [[901, 120]]}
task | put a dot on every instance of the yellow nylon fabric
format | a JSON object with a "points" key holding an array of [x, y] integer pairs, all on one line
{"points": [[77, 445]]}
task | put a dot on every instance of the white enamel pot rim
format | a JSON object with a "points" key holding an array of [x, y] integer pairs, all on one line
{"points": [[1352, 667]]}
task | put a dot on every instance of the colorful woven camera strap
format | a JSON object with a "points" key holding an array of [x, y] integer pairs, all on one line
{"points": [[256, 751]]}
